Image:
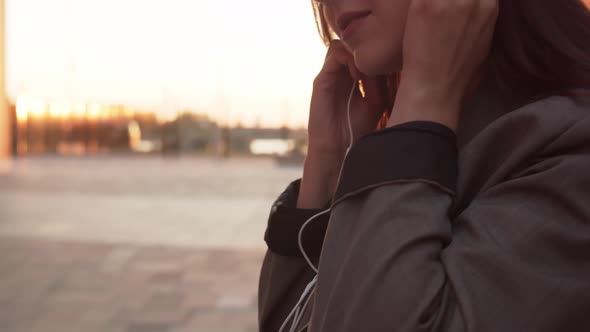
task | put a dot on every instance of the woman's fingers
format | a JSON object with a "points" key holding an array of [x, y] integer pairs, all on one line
{"points": [[337, 57], [458, 32]]}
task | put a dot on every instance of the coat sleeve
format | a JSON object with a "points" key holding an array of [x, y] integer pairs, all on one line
{"points": [[285, 273], [517, 258]]}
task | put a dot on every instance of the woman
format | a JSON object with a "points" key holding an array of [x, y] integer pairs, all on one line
{"points": [[468, 207]]}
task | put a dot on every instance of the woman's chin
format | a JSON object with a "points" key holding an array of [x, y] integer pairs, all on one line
{"points": [[374, 65]]}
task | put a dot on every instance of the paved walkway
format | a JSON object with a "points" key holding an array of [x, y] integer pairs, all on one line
{"points": [[188, 202], [134, 244], [54, 286]]}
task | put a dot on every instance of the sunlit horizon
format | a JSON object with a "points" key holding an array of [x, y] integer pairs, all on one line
{"points": [[249, 62]]}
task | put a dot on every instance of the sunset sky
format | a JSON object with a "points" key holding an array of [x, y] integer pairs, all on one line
{"points": [[168, 54]]}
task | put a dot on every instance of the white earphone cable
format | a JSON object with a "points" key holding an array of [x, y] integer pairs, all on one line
{"points": [[354, 85], [302, 312], [307, 290], [299, 311], [300, 237]]}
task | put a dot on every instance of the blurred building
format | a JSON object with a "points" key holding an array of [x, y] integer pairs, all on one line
{"points": [[71, 128], [48, 127], [189, 132]]}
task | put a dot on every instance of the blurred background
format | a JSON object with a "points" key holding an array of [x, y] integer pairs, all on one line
{"points": [[142, 144]]}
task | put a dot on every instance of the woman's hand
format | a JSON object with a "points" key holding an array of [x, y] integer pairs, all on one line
{"points": [[328, 133], [445, 45], [328, 124]]}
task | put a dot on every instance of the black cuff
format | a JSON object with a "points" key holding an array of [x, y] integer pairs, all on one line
{"points": [[414, 150], [285, 221]]}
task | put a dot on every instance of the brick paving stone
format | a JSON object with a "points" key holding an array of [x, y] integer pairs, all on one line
{"points": [[117, 259], [200, 299], [154, 319], [80, 298], [14, 315], [26, 288], [58, 318], [165, 301], [84, 280], [233, 302]]}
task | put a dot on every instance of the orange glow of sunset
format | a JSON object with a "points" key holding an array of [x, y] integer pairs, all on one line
{"points": [[233, 60]]}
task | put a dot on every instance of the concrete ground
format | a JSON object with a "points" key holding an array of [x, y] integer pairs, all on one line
{"points": [[134, 244]]}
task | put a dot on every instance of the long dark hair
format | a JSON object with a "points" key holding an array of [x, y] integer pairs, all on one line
{"points": [[540, 47]]}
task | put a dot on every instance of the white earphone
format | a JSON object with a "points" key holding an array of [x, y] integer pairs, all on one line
{"points": [[299, 309]]}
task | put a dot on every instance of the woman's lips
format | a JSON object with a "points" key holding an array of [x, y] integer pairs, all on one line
{"points": [[350, 22], [351, 28]]}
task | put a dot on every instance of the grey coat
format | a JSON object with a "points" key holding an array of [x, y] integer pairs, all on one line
{"points": [[485, 229]]}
